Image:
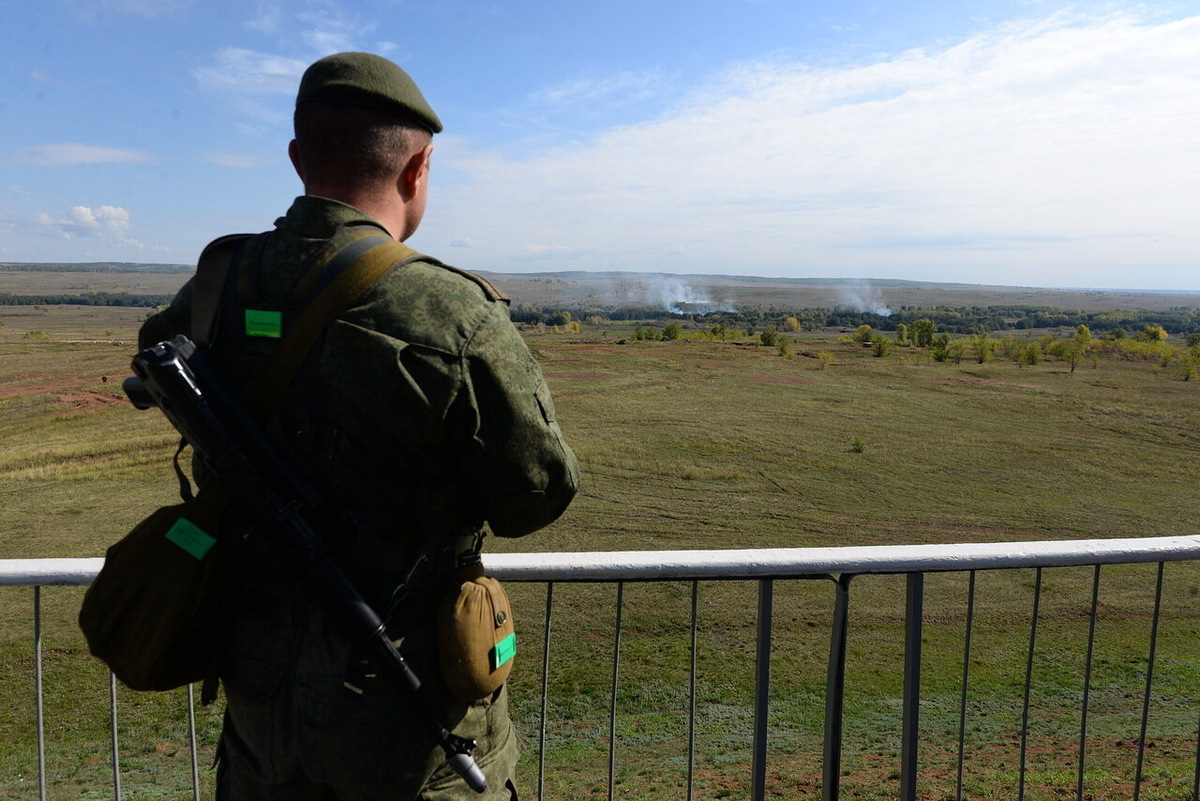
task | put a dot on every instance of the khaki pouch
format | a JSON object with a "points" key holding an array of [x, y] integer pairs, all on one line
{"points": [[476, 640]]}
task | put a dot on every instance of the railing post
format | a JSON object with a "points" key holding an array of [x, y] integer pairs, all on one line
{"points": [[612, 709], [691, 760], [193, 746], [910, 739], [541, 781], [835, 687], [762, 685], [965, 688], [112, 730], [37, 688], [1137, 777]]}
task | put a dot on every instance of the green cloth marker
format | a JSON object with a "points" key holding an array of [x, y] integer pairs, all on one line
{"points": [[505, 650], [190, 537], [262, 323]]}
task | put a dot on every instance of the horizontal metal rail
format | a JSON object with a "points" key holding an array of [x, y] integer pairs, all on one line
{"points": [[744, 563], [764, 566]]}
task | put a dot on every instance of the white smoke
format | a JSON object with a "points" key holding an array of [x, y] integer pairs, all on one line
{"points": [[671, 293], [864, 298]]}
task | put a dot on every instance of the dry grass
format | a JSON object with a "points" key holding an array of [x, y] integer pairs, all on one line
{"points": [[704, 445]]}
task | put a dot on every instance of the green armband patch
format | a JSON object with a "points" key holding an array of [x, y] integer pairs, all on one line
{"points": [[190, 537], [505, 650], [264, 323]]}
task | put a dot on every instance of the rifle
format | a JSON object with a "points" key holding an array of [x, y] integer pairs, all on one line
{"points": [[173, 376]]}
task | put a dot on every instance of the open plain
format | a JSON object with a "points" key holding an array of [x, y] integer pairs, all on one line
{"points": [[697, 443]]}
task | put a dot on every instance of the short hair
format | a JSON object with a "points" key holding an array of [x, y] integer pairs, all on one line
{"points": [[353, 146]]}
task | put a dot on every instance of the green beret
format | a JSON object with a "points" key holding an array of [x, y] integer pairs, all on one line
{"points": [[367, 80]]}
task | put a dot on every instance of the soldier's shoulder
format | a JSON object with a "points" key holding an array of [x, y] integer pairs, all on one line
{"points": [[436, 271], [425, 301]]}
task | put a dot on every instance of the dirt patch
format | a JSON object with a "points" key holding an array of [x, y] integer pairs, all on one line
{"points": [[788, 380], [982, 382], [37, 385], [65, 391], [580, 376], [85, 399]]}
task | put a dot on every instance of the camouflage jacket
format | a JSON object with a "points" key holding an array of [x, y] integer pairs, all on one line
{"points": [[421, 406]]}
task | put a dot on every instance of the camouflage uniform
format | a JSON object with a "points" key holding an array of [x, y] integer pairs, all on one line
{"points": [[422, 414]]}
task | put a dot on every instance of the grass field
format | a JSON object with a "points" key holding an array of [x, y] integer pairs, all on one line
{"points": [[702, 444]]}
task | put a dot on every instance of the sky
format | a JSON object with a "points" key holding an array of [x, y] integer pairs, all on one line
{"points": [[1007, 142]]}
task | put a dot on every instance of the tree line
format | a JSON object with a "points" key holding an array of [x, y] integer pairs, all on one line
{"points": [[953, 320], [85, 299]]}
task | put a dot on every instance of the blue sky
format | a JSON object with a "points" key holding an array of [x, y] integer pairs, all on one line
{"points": [[1018, 143]]}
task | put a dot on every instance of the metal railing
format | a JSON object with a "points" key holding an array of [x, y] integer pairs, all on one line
{"points": [[766, 567]]}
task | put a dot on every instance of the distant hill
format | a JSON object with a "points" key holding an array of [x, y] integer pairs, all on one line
{"points": [[724, 292], [94, 267], [612, 290]]}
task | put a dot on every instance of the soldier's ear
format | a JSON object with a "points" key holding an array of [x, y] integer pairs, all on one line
{"points": [[415, 174], [294, 155]]}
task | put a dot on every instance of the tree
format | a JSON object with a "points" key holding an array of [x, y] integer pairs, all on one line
{"points": [[1077, 347], [901, 334], [674, 330], [1032, 354], [922, 332], [863, 334], [1189, 365], [939, 346], [1153, 333], [769, 336], [983, 346], [958, 350], [791, 324]]}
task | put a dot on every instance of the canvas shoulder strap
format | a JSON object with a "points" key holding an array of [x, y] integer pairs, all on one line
{"points": [[211, 271], [370, 258]]}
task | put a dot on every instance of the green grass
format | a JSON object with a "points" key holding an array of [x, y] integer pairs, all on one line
{"points": [[693, 444]]}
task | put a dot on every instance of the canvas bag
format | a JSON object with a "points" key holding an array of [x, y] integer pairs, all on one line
{"points": [[153, 613], [476, 640]]}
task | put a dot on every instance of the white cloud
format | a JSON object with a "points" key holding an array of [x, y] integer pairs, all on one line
{"points": [[248, 72], [1061, 143], [71, 154], [551, 252], [252, 82], [333, 31], [267, 18], [108, 222], [605, 89]]}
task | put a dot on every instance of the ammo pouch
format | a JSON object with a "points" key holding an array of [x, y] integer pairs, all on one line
{"points": [[476, 641]]}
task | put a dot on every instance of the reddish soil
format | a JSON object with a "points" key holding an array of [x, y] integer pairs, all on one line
{"points": [[66, 390]]}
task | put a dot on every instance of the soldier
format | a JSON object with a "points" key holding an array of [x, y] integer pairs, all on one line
{"points": [[420, 415]]}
